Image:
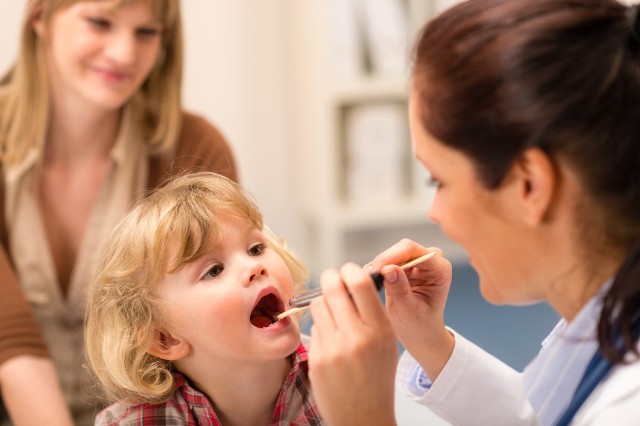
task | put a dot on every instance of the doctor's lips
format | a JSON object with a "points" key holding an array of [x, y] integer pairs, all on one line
{"points": [[301, 301], [267, 307]]}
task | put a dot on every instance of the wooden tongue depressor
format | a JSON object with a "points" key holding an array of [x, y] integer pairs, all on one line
{"points": [[302, 300], [289, 312]]}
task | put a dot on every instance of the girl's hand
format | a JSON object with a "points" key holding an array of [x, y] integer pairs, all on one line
{"points": [[353, 355]]}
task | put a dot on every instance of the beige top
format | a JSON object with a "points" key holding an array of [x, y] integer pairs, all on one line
{"points": [[61, 319]]}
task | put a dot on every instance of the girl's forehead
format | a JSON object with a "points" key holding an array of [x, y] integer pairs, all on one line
{"points": [[221, 225], [224, 227], [233, 223]]}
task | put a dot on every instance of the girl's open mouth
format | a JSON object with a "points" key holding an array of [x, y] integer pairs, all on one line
{"points": [[266, 309]]}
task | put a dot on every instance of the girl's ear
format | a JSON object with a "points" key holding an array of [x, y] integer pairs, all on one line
{"points": [[538, 180], [168, 347]]}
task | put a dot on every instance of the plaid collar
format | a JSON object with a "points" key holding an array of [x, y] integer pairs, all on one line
{"points": [[295, 404], [189, 406]]}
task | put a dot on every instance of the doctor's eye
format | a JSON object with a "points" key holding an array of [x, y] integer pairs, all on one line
{"points": [[214, 271], [433, 182], [257, 249]]}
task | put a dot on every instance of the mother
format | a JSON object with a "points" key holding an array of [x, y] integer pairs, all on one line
{"points": [[90, 117]]}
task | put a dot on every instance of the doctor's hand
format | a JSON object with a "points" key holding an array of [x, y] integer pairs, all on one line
{"points": [[353, 354], [415, 300]]}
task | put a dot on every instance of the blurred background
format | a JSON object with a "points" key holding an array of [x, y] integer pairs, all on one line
{"points": [[312, 97]]}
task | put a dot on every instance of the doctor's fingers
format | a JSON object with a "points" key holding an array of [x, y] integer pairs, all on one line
{"points": [[400, 253], [364, 295], [336, 299], [435, 271]]}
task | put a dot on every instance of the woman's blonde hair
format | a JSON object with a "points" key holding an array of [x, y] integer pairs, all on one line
{"points": [[124, 310], [155, 109]]}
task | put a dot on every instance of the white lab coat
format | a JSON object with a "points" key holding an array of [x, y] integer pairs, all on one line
{"points": [[616, 401], [476, 388]]}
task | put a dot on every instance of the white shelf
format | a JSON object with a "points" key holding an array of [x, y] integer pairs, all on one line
{"points": [[370, 89], [343, 223], [382, 214]]}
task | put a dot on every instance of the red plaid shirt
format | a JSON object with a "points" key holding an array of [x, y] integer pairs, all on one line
{"points": [[189, 406]]}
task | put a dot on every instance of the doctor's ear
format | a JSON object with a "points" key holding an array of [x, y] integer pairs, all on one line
{"points": [[537, 179], [168, 347]]}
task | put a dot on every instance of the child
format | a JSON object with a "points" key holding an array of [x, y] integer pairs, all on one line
{"points": [[180, 326]]}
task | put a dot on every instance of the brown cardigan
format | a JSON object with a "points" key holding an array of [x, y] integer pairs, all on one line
{"points": [[200, 147]]}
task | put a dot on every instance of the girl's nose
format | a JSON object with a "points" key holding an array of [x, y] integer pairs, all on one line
{"points": [[255, 271], [260, 273]]}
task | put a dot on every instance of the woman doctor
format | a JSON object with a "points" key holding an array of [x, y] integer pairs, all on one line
{"points": [[526, 113]]}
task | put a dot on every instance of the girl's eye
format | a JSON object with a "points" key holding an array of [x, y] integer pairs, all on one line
{"points": [[257, 250], [213, 272], [99, 23]]}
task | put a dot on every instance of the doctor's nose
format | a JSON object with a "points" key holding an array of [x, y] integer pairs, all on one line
{"points": [[434, 210]]}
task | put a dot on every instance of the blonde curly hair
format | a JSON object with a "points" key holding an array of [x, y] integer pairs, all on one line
{"points": [[124, 310]]}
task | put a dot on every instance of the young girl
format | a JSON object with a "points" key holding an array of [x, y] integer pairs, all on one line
{"points": [[90, 114], [180, 323]]}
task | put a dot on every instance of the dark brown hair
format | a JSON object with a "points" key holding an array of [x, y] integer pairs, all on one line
{"points": [[497, 77]]}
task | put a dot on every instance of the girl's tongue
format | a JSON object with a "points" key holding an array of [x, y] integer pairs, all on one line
{"points": [[261, 321], [263, 314]]}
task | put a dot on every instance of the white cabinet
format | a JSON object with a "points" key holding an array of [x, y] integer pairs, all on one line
{"points": [[358, 185]]}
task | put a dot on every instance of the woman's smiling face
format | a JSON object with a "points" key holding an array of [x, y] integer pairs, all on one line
{"points": [[98, 54]]}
